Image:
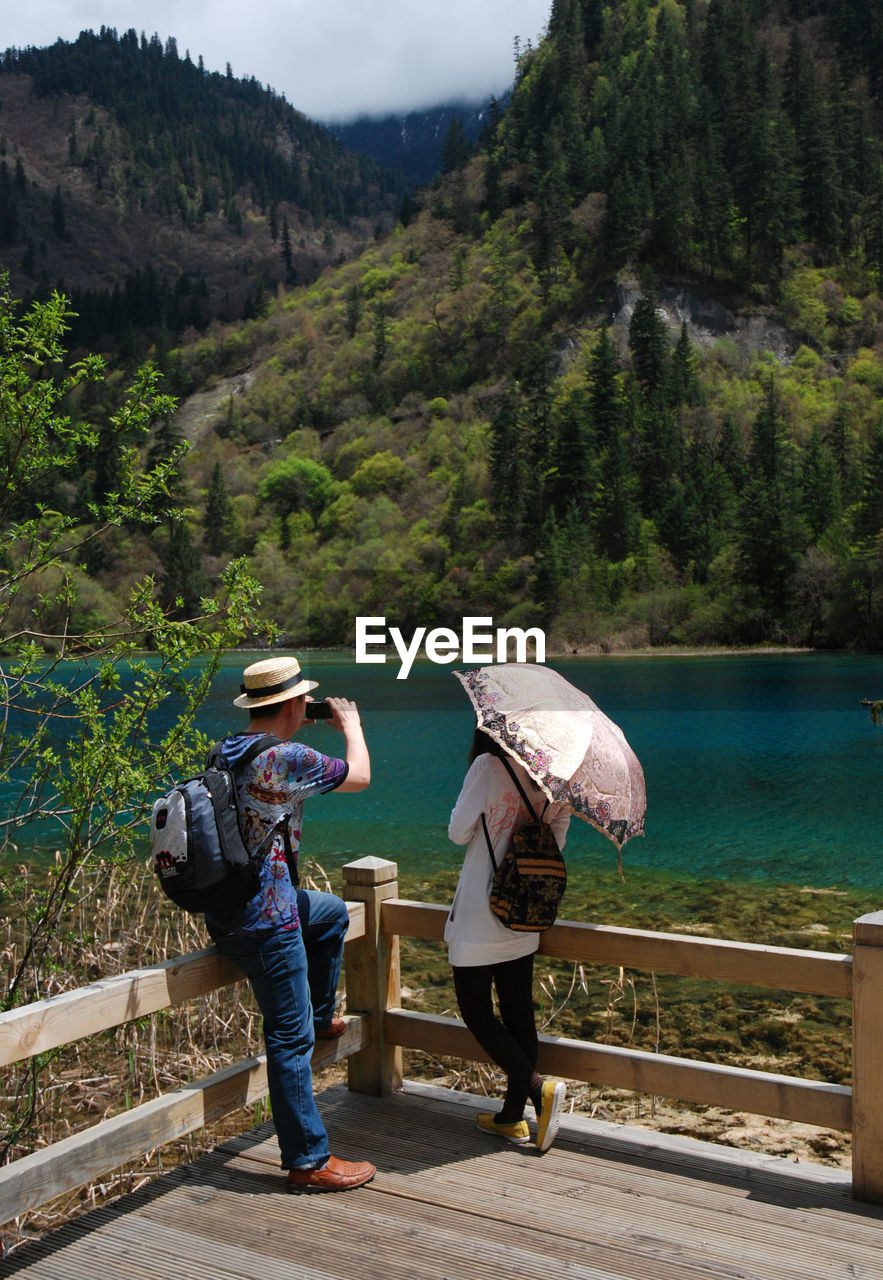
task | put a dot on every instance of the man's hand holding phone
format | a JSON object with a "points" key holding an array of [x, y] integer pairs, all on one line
{"points": [[343, 715]]}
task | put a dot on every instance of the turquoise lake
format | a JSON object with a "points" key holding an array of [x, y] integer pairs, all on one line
{"points": [[757, 767]]}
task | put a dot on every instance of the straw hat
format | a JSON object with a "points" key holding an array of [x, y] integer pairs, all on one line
{"points": [[272, 680]]}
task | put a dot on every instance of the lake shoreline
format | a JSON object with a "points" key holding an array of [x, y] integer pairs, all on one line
{"points": [[679, 651], [562, 649]]}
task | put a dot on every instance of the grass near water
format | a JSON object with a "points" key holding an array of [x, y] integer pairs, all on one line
{"points": [[745, 1026]]}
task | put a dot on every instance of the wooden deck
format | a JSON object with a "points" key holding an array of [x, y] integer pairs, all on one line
{"points": [[450, 1203]]}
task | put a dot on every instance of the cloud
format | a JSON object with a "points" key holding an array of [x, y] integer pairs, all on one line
{"points": [[333, 60]]}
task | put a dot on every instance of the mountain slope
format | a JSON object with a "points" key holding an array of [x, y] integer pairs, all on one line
{"points": [[120, 156], [523, 404]]}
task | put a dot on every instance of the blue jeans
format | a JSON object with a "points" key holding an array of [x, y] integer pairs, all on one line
{"points": [[294, 975]]}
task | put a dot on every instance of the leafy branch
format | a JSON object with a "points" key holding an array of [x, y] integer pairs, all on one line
{"points": [[86, 738]]}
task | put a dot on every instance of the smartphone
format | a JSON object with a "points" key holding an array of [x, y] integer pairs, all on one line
{"points": [[318, 711]]}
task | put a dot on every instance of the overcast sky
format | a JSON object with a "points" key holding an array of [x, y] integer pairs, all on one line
{"points": [[333, 59]]}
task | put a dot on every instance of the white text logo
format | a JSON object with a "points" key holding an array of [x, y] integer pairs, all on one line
{"points": [[478, 643]]}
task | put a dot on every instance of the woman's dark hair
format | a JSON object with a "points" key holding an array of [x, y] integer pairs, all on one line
{"points": [[484, 745]]}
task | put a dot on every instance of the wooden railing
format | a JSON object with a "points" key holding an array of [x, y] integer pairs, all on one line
{"points": [[70, 1163], [858, 977], [379, 1029]]}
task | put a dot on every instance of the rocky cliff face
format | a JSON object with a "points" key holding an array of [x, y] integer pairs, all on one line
{"points": [[708, 320]]}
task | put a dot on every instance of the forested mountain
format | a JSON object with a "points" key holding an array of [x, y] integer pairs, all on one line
{"points": [[418, 144], [162, 195], [719, 134], [620, 373]]}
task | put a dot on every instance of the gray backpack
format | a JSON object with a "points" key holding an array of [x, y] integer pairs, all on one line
{"points": [[196, 842]]}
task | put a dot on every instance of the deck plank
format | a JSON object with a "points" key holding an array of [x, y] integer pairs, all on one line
{"points": [[449, 1203], [564, 1180]]}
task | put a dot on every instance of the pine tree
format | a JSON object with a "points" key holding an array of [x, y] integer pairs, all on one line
{"points": [[260, 302], [462, 494], [168, 443], [682, 384], [713, 197], [814, 146], [648, 343], [696, 522], [184, 584], [820, 499], [605, 394], [286, 250], [570, 483], [617, 520], [765, 456], [550, 563], [456, 148], [353, 308], [380, 335], [9, 228], [730, 455], [628, 202], [508, 466], [553, 205], [840, 439], [769, 197], [537, 394], [217, 521], [869, 516], [768, 537]]}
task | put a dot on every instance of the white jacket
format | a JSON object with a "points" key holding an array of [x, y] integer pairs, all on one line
{"points": [[473, 933]]}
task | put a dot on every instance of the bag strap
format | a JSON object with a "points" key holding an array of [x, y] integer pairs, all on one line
{"points": [[490, 847], [530, 808], [262, 742]]}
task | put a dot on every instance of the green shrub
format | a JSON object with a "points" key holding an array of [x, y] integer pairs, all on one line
{"points": [[382, 473], [295, 484]]}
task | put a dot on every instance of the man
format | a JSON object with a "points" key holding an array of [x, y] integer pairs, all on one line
{"points": [[289, 941]]}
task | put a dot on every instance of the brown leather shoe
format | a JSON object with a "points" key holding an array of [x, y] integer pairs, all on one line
{"points": [[335, 1028], [336, 1175]]}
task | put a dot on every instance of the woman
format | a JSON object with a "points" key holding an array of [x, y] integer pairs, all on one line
{"points": [[485, 955]]}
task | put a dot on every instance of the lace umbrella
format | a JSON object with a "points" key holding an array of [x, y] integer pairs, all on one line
{"points": [[569, 747]]}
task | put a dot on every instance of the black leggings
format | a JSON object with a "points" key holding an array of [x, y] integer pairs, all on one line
{"points": [[511, 1039]]}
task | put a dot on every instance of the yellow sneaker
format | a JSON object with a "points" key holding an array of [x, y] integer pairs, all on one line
{"points": [[551, 1102], [516, 1132]]}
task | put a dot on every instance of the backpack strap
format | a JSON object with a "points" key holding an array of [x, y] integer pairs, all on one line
{"points": [[530, 809], [513, 775], [262, 743], [490, 847]]}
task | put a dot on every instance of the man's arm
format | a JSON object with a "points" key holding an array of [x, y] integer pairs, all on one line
{"points": [[345, 717]]}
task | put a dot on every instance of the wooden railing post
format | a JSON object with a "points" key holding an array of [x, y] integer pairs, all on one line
{"points": [[867, 1058], [373, 976]]}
